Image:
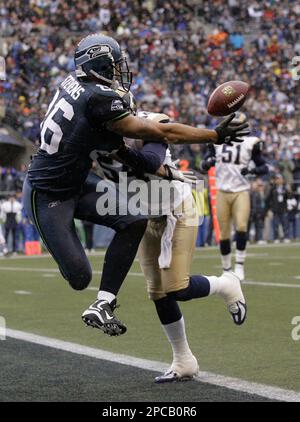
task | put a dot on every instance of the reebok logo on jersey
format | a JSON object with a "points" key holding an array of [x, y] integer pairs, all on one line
{"points": [[53, 204], [116, 105]]}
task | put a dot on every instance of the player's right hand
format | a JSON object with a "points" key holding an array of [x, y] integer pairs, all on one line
{"points": [[228, 133], [172, 173]]}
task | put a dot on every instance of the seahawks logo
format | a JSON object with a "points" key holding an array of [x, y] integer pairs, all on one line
{"points": [[98, 50]]}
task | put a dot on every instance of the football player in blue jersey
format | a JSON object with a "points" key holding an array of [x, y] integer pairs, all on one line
{"points": [[86, 114]]}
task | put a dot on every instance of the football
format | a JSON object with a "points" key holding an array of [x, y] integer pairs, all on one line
{"points": [[227, 98]]}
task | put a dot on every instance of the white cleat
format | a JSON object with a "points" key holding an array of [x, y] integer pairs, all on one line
{"points": [[186, 370], [239, 271], [232, 294]]}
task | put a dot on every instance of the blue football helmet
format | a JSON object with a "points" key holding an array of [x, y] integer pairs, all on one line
{"points": [[100, 57]]}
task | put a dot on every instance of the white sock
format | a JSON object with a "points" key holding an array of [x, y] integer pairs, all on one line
{"points": [[226, 261], [240, 256], [103, 295], [214, 284], [176, 335]]}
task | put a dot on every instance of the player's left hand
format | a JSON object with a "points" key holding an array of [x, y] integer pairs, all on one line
{"points": [[172, 173], [244, 171]]}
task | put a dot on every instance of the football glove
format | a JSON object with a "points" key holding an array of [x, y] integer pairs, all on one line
{"points": [[172, 173], [208, 163], [231, 133], [246, 171]]}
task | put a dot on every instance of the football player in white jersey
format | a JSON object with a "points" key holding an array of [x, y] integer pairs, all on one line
{"points": [[165, 255], [232, 164]]}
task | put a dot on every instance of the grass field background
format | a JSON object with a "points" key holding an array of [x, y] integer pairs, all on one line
{"points": [[35, 298]]}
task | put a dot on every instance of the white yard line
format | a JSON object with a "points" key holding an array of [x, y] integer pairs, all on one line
{"points": [[22, 292], [270, 392], [207, 249], [266, 284], [134, 274], [52, 270]]}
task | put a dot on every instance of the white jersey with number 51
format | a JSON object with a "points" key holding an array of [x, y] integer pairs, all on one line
{"points": [[229, 162]]}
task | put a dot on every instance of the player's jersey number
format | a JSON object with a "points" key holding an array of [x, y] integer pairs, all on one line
{"points": [[231, 154], [51, 132]]}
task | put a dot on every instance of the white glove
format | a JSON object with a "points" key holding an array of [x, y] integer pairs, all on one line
{"points": [[183, 176]]}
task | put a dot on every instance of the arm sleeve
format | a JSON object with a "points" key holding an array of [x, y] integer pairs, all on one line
{"points": [[104, 108], [261, 166], [146, 160]]}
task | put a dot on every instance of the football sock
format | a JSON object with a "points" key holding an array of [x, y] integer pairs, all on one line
{"points": [[241, 240], [167, 310], [176, 335], [120, 255], [198, 287], [225, 249], [240, 253], [240, 257], [103, 295], [226, 262], [217, 284]]}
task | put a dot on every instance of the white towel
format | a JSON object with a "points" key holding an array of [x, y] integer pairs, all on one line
{"points": [[165, 256]]}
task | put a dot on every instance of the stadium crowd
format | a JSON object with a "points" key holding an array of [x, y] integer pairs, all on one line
{"points": [[179, 52]]}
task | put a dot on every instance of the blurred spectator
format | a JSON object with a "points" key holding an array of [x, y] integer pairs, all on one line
{"points": [[258, 210], [277, 203], [292, 210], [11, 215]]}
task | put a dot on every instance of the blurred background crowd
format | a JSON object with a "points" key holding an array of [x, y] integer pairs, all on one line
{"points": [[179, 52]]}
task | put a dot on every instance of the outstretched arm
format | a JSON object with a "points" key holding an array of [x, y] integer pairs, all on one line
{"points": [[177, 133]]}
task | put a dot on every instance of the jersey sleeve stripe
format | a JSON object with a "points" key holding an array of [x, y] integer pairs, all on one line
{"points": [[120, 117]]}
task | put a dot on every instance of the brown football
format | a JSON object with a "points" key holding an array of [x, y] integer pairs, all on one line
{"points": [[227, 98]]}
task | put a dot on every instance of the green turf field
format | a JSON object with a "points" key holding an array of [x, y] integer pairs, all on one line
{"points": [[35, 298]]}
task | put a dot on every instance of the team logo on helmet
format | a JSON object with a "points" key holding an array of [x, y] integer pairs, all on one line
{"points": [[98, 50]]}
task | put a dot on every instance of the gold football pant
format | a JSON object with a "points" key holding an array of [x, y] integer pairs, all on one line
{"points": [[162, 281], [232, 206]]}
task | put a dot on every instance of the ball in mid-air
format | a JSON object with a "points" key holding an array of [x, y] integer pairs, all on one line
{"points": [[227, 98]]}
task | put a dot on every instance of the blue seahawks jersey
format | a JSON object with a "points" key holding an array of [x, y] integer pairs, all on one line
{"points": [[72, 131]]}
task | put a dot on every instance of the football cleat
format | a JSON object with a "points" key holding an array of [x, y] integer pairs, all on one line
{"points": [[100, 315], [180, 371], [233, 296], [239, 271]]}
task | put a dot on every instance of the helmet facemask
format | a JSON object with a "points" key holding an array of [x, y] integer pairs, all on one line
{"points": [[122, 74]]}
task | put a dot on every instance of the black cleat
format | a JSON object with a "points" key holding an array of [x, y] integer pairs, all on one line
{"points": [[100, 315]]}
